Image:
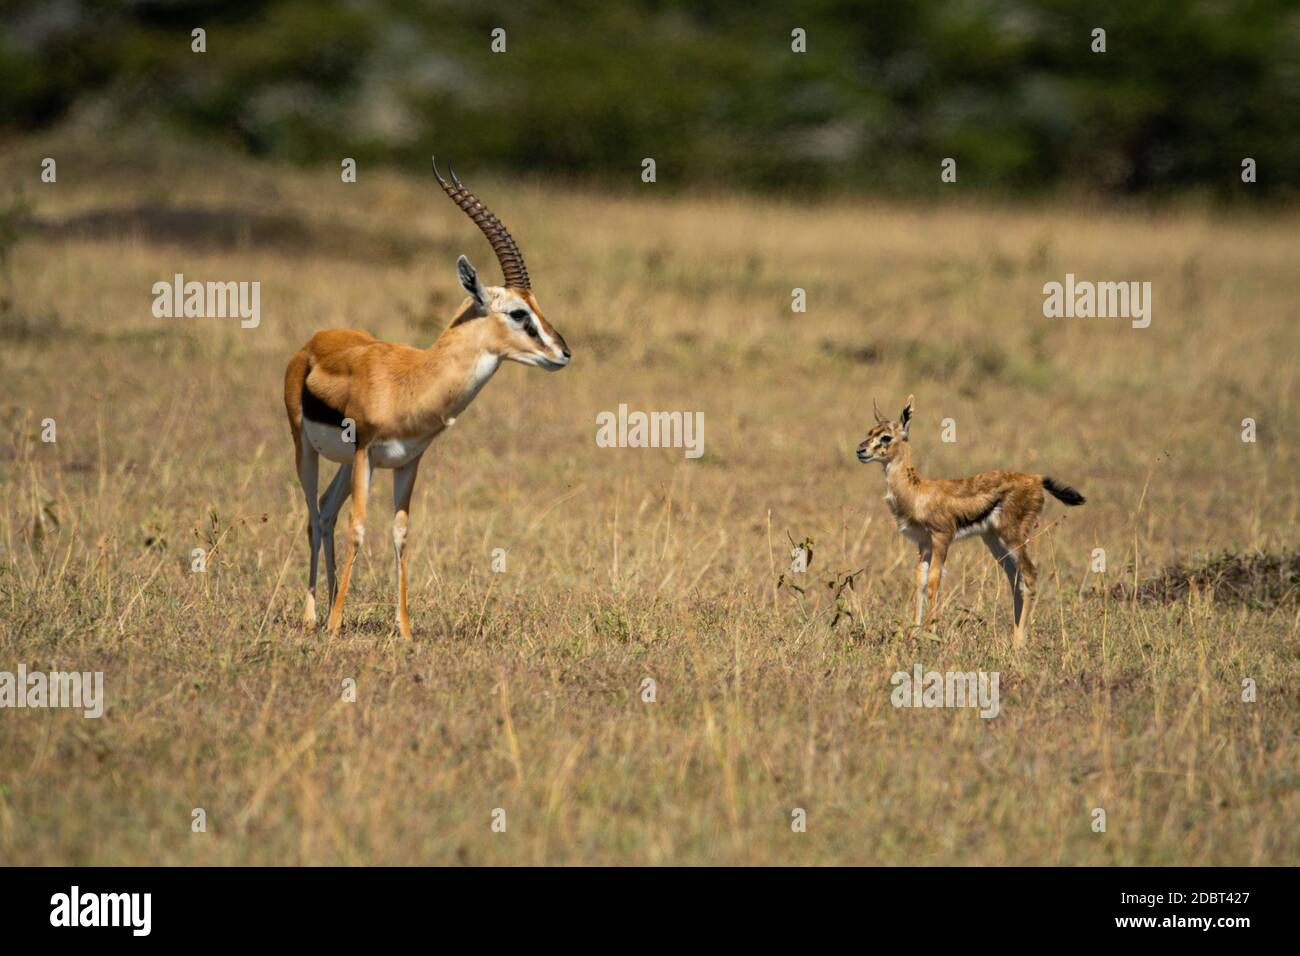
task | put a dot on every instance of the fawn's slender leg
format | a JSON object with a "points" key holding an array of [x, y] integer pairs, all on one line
{"points": [[1028, 584], [938, 552], [1011, 568], [403, 483], [922, 572], [330, 504], [356, 530], [1010, 561], [308, 474]]}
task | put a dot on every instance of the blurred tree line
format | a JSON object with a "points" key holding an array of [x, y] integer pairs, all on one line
{"points": [[1011, 89]]}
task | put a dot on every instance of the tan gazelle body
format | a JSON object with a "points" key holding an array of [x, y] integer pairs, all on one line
{"points": [[1001, 507], [369, 404]]}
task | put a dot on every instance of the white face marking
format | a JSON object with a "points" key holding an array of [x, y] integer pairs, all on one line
{"points": [[506, 303], [541, 333]]}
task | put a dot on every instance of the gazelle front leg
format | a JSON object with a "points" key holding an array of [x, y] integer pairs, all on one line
{"points": [[922, 571], [356, 530], [938, 552], [403, 483]]}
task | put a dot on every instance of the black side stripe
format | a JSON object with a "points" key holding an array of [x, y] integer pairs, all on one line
{"points": [[982, 516], [315, 409]]}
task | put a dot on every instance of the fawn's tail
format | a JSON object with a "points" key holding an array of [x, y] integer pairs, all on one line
{"points": [[1063, 492]]}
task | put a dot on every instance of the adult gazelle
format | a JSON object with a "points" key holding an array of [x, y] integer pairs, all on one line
{"points": [[369, 404]]}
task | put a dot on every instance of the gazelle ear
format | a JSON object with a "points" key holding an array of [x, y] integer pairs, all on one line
{"points": [[905, 419], [469, 281]]}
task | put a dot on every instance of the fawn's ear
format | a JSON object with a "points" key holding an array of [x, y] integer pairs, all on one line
{"points": [[905, 419]]}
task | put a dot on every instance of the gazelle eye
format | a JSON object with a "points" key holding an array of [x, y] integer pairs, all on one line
{"points": [[519, 314], [885, 439]]}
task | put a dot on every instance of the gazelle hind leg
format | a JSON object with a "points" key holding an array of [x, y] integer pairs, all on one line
{"points": [[356, 532], [308, 475], [1028, 586], [1011, 567], [330, 504], [403, 483]]}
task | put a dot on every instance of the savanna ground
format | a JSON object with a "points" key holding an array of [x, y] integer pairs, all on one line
{"points": [[522, 689]]}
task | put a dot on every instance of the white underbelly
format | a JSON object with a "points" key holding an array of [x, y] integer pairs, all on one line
{"points": [[396, 452], [990, 523], [392, 453]]}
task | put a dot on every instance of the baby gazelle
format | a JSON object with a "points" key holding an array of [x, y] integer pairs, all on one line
{"points": [[1000, 506]]}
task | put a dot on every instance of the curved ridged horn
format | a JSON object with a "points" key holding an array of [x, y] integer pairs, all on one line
{"points": [[507, 252], [875, 410]]}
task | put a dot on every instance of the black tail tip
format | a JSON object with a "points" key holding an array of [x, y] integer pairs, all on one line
{"points": [[1063, 492]]}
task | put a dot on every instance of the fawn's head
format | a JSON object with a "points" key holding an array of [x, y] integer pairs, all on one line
{"points": [[518, 331], [885, 440]]}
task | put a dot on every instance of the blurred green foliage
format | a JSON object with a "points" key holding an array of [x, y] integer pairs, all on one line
{"points": [[711, 90]]}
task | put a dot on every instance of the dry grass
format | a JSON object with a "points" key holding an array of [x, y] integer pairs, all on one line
{"points": [[521, 690]]}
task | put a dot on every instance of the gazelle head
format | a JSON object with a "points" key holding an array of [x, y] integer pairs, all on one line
{"points": [[518, 331], [885, 440]]}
